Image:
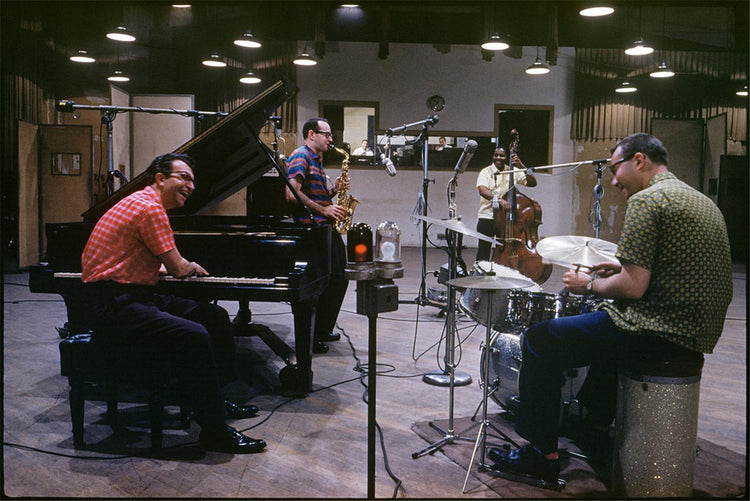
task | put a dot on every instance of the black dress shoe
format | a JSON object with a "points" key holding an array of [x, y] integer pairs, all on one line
{"points": [[320, 347], [236, 411], [230, 441], [328, 338], [527, 462]]}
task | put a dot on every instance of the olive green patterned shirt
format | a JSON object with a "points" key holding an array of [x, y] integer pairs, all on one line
{"points": [[680, 236]]}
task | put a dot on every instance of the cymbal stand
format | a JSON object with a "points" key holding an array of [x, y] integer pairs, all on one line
{"points": [[485, 424], [449, 376]]}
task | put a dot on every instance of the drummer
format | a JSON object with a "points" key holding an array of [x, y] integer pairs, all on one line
{"points": [[671, 293], [492, 186]]}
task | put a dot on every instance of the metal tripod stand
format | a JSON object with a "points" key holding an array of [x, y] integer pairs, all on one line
{"points": [[484, 424]]}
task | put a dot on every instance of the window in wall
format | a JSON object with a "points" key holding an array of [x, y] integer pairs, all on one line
{"points": [[352, 123], [534, 125]]}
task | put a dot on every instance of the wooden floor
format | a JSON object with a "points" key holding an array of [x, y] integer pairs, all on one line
{"points": [[317, 446]]}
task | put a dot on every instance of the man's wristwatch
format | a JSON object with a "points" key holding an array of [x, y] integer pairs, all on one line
{"points": [[590, 285]]}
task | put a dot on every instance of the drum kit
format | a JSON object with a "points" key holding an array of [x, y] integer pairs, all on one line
{"points": [[507, 302]]}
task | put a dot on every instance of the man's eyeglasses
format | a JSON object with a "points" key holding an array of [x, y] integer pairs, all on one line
{"points": [[326, 134], [185, 176], [613, 167]]}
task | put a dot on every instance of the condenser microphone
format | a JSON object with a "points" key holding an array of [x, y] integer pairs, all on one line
{"points": [[389, 167], [65, 106], [465, 158]]}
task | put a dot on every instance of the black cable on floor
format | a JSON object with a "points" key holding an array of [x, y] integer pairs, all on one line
{"points": [[361, 368]]}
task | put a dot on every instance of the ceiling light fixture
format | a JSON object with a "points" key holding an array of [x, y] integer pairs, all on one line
{"points": [[495, 42], [82, 57], [305, 59], [639, 48], [626, 88], [662, 71], [250, 78], [742, 92], [181, 5], [121, 34], [214, 61], [537, 67], [596, 11], [118, 76], [247, 40]]}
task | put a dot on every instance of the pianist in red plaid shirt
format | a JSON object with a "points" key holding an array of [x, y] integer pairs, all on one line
{"points": [[120, 265]]}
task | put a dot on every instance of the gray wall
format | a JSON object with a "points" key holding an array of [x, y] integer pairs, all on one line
{"points": [[471, 88]]}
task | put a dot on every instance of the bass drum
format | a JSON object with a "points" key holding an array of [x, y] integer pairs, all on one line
{"points": [[505, 363], [474, 302]]}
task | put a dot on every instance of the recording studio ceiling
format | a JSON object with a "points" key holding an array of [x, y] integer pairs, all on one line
{"points": [[170, 40]]}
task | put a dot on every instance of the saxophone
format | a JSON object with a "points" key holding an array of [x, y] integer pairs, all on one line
{"points": [[344, 199]]}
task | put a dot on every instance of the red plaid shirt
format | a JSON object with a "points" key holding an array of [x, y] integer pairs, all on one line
{"points": [[126, 240]]}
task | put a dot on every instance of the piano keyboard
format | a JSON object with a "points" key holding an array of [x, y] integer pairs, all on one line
{"points": [[208, 279]]}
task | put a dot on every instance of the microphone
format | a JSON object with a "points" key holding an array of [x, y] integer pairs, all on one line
{"points": [[465, 158], [432, 120], [65, 106], [389, 167]]}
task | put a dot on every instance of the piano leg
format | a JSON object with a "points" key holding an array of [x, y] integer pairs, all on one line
{"points": [[297, 379]]}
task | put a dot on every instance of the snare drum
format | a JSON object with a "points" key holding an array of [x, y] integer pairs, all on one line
{"points": [[504, 366], [474, 302]]}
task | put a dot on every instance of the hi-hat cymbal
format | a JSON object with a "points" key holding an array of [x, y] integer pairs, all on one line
{"points": [[490, 282], [457, 226], [573, 251]]}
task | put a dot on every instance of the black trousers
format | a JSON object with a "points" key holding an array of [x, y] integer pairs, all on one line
{"points": [[195, 338], [329, 303], [591, 339], [484, 249]]}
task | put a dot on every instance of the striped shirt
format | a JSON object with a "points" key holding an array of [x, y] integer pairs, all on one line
{"points": [[679, 235], [126, 240], [308, 165]]}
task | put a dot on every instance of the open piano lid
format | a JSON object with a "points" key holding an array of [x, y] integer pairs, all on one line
{"points": [[228, 156]]}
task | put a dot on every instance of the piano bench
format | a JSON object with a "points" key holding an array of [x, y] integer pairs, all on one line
{"points": [[89, 366]]}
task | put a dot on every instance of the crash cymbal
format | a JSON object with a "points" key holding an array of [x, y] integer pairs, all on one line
{"points": [[573, 251], [490, 282], [457, 226]]}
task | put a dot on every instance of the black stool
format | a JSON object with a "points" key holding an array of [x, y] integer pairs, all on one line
{"points": [[84, 360], [656, 425]]}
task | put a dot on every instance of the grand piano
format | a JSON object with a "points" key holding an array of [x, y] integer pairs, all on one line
{"points": [[249, 258]]}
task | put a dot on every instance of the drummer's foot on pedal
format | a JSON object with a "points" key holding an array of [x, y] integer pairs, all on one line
{"points": [[527, 461]]}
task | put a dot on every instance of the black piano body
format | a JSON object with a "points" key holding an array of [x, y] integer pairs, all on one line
{"points": [[249, 258]]}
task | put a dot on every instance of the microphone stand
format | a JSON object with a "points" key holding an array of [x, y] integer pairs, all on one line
{"points": [[423, 137], [449, 377], [109, 113], [596, 211]]}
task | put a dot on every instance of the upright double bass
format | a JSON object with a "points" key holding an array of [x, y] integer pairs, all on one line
{"points": [[519, 228]]}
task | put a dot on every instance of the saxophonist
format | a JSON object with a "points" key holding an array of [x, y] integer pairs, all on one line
{"points": [[307, 176]]}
